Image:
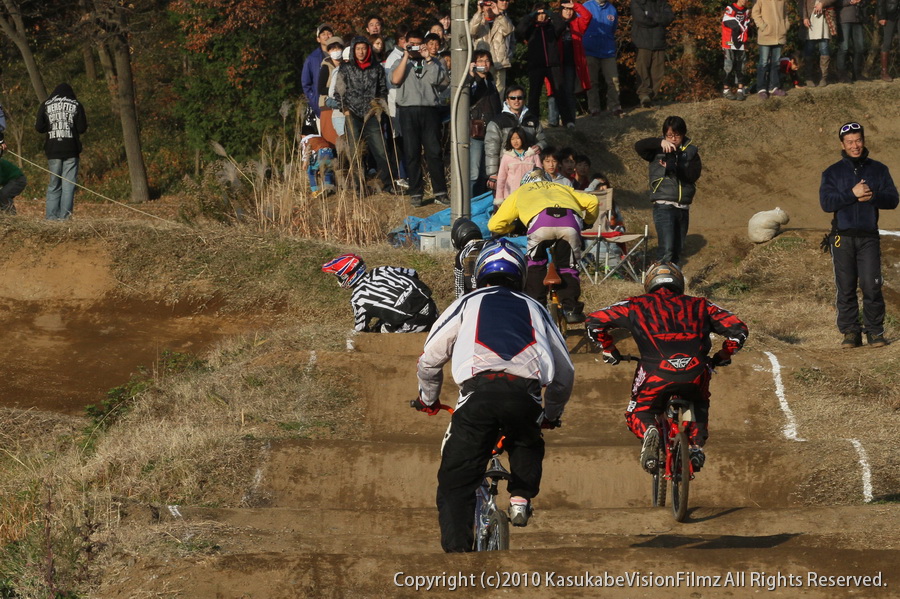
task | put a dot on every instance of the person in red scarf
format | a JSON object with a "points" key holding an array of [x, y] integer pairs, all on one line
{"points": [[575, 75], [361, 90]]}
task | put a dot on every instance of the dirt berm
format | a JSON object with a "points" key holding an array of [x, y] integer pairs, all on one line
{"points": [[801, 482]]}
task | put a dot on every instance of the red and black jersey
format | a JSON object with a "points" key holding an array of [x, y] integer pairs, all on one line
{"points": [[671, 330], [735, 22]]}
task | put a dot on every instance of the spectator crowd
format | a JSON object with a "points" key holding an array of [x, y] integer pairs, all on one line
{"points": [[390, 89]]}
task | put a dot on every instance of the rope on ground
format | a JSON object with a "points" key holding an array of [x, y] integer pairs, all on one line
{"points": [[108, 199]]}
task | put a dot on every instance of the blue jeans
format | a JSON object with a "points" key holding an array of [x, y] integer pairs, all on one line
{"points": [[476, 163], [61, 190], [851, 32], [809, 47], [370, 130], [671, 231], [767, 77]]}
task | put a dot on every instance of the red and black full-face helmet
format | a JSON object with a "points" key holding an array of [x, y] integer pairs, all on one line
{"points": [[348, 268]]}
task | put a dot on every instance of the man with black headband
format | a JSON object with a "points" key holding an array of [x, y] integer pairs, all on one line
{"points": [[854, 189]]}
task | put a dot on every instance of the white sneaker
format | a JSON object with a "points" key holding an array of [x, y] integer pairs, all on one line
{"points": [[650, 449], [519, 511]]}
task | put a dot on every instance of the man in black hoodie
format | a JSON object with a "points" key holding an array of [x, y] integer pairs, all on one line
{"points": [[361, 89], [62, 118]]}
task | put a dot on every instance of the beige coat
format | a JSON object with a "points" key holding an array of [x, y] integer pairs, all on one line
{"points": [[492, 38], [771, 19]]}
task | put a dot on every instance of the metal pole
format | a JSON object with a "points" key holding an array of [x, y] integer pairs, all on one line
{"points": [[460, 59]]}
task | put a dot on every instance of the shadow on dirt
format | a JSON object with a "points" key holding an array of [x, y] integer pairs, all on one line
{"points": [[722, 542]]}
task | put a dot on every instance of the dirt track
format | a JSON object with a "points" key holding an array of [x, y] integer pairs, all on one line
{"points": [[342, 518]]}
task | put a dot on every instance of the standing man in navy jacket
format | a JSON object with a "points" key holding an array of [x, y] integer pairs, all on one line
{"points": [[309, 78], [854, 189]]}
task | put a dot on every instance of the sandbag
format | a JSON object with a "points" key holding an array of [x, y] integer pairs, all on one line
{"points": [[764, 226]]}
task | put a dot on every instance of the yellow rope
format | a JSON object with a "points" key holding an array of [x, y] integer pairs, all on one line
{"points": [[108, 199]]}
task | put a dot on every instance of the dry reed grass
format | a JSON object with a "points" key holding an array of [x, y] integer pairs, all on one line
{"points": [[355, 212]]}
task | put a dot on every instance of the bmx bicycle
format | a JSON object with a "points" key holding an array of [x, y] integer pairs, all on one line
{"points": [[491, 523], [554, 305], [673, 466]]}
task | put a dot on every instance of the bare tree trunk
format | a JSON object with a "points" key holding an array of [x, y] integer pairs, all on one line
{"points": [[689, 66], [90, 69], [13, 27], [140, 190], [872, 61], [115, 56], [109, 73]]}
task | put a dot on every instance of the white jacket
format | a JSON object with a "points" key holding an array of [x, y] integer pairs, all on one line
{"points": [[499, 330]]}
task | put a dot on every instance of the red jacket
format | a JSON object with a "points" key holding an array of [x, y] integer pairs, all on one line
{"points": [[671, 330], [577, 26]]}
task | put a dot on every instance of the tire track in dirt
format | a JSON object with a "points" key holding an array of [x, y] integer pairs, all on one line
{"points": [[344, 517]]}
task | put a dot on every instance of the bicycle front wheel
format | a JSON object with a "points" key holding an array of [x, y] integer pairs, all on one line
{"points": [[681, 476], [498, 532]]}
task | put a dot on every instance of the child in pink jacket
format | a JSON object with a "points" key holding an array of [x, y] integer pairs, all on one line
{"points": [[518, 160]]}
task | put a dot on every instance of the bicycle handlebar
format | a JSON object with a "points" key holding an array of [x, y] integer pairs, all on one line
{"points": [[412, 404], [630, 358]]}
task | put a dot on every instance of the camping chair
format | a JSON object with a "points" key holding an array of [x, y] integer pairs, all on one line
{"points": [[601, 232]]}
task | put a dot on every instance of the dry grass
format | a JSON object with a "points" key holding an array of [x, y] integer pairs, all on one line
{"points": [[194, 438], [197, 437], [276, 189]]}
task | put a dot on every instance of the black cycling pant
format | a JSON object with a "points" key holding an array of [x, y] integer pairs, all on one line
{"points": [[497, 404], [563, 258], [857, 263]]}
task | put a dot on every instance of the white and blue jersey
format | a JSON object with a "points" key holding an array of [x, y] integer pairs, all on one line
{"points": [[495, 329]]}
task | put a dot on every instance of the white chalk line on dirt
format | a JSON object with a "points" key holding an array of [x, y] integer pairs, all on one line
{"points": [[248, 497], [894, 233], [866, 470], [790, 429]]}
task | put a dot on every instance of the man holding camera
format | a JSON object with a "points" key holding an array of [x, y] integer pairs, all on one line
{"points": [[492, 30], [541, 29], [419, 78]]}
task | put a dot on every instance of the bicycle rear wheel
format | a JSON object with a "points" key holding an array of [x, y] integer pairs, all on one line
{"points": [[558, 317], [681, 476], [658, 490], [498, 532]]}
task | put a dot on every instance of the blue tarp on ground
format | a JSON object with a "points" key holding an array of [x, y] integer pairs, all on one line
{"points": [[408, 234]]}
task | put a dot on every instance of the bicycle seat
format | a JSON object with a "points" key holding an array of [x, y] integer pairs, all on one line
{"points": [[552, 277], [496, 470]]}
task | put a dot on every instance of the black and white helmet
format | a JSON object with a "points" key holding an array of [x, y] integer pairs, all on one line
{"points": [[537, 174]]}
